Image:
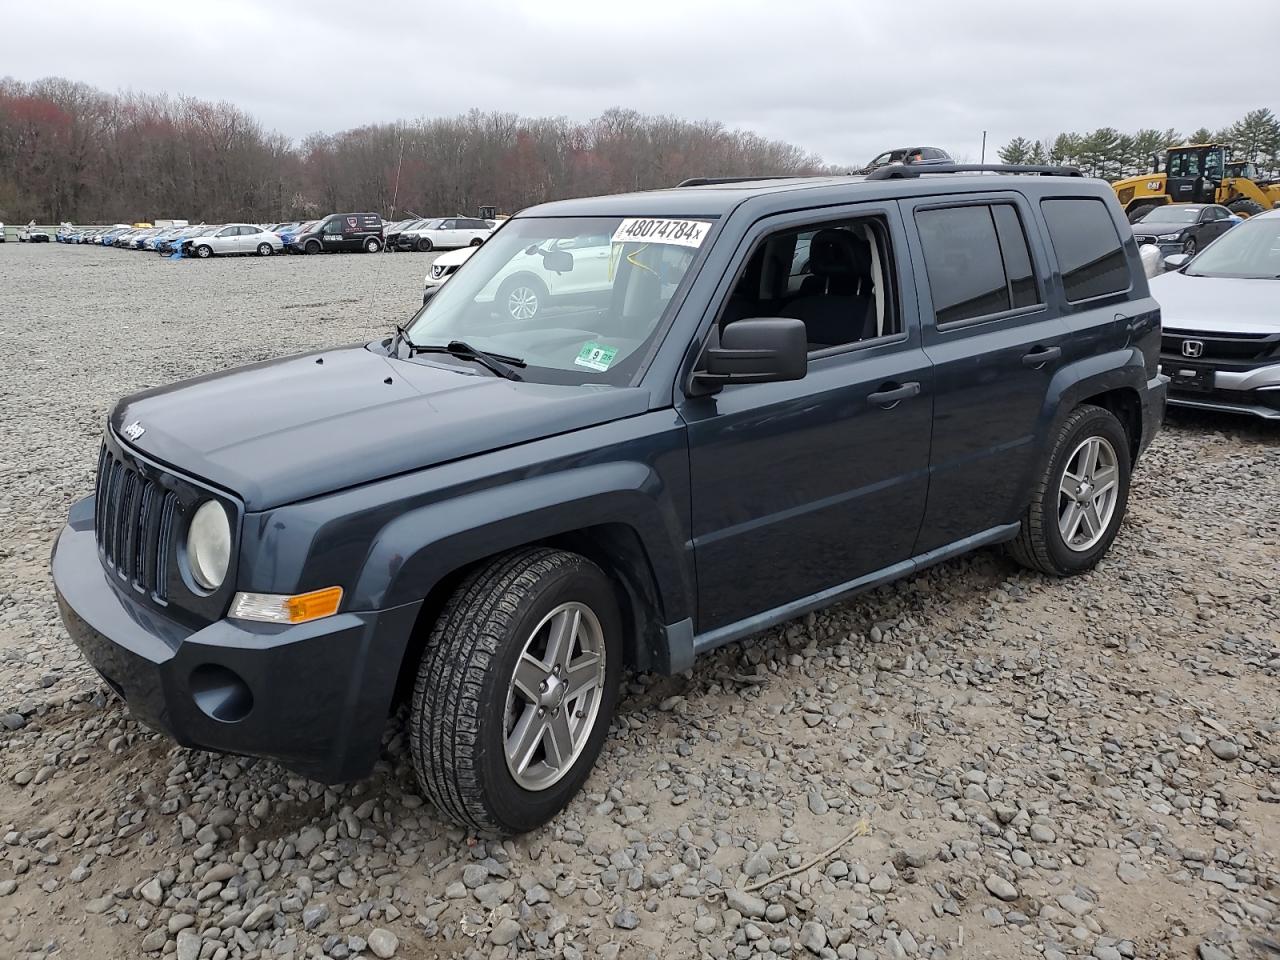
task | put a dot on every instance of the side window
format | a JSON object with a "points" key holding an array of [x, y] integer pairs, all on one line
{"points": [[448, 225], [228, 232], [333, 227], [1087, 246], [836, 277], [248, 231], [1023, 289], [962, 256]]}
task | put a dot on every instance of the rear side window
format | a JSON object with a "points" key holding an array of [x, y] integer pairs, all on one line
{"points": [[1089, 250], [977, 260]]}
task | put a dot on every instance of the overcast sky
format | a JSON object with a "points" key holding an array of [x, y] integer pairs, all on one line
{"points": [[842, 78]]}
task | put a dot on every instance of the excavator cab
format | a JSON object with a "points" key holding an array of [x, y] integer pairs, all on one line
{"points": [[1194, 173]]}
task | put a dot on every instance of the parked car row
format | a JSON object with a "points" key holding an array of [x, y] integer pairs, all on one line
{"points": [[338, 232]]}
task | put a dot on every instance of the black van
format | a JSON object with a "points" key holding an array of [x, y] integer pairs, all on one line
{"points": [[340, 232]]}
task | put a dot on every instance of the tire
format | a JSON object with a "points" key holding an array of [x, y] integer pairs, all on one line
{"points": [[424, 244], [1244, 207], [312, 246], [265, 250], [1140, 210], [1189, 248], [204, 251], [372, 245], [1041, 544], [465, 702], [522, 298], [475, 242]]}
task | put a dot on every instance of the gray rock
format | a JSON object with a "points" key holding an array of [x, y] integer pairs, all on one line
{"points": [[626, 919], [756, 865], [813, 936], [747, 904], [817, 805], [13, 721], [152, 892], [1103, 952], [1207, 951], [314, 915], [1000, 888], [383, 943], [188, 945], [260, 915], [474, 875], [1224, 749], [504, 932], [154, 941], [308, 840]]}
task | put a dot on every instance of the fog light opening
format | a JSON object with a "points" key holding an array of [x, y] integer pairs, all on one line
{"points": [[220, 693]]}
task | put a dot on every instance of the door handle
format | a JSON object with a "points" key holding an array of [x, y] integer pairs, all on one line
{"points": [[1038, 357], [888, 399]]}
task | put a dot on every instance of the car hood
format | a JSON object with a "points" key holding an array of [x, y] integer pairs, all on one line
{"points": [[285, 430], [1217, 304], [1154, 229]]}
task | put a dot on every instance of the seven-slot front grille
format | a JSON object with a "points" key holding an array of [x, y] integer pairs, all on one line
{"points": [[134, 525]]}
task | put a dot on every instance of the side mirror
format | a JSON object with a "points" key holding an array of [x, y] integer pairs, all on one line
{"points": [[760, 350], [557, 261], [1175, 261]]}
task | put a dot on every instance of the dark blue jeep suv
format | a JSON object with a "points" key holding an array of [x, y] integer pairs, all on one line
{"points": [[628, 430]]}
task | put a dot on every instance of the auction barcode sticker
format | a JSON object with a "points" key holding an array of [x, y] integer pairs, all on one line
{"points": [[686, 233]]}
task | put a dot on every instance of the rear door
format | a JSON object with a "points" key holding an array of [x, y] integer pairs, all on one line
{"points": [[995, 342]]}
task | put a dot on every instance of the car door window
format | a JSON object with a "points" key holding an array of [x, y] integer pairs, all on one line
{"points": [[229, 232], [845, 292], [1088, 247], [333, 228], [977, 261]]}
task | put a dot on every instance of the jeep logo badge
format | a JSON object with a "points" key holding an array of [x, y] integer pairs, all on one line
{"points": [[1192, 348], [134, 430]]}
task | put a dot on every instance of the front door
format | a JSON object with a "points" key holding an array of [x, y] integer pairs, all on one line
{"points": [[801, 488], [332, 235], [995, 344]]}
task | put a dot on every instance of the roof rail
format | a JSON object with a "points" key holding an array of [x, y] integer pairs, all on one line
{"points": [[904, 171], [710, 181]]}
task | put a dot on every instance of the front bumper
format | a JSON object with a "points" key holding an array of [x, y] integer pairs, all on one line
{"points": [[314, 696], [1254, 392]]}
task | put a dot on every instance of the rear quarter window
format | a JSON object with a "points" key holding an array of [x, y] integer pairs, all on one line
{"points": [[1088, 247]]}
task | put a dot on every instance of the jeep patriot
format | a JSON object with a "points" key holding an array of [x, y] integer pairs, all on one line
{"points": [[628, 430]]}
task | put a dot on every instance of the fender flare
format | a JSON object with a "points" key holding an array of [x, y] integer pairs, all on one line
{"points": [[418, 549]]}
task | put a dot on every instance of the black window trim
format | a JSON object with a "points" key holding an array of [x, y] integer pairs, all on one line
{"points": [[1125, 242], [1037, 271], [880, 210]]}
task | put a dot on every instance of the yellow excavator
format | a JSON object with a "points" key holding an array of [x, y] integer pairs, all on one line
{"points": [[1198, 173]]}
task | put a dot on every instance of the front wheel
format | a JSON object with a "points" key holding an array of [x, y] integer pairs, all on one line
{"points": [[475, 242], [1079, 501], [516, 689], [265, 250], [1189, 248], [522, 298], [204, 252], [424, 244], [312, 246]]}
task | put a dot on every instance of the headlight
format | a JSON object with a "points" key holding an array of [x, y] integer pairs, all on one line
{"points": [[1169, 236], [209, 545]]}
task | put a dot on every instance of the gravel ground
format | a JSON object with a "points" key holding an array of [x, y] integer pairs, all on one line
{"points": [[1020, 767]]}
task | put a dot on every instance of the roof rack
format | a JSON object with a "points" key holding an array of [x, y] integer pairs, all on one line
{"points": [[904, 171], [711, 181]]}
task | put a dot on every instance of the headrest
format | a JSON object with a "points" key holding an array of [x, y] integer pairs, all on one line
{"points": [[839, 253]]}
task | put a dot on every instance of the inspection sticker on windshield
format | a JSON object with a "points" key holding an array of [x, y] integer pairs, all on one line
{"points": [[595, 356], [686, 233]]}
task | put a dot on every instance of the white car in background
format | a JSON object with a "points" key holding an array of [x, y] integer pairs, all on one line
{"points": [[1221, 316], [2, 237], [443, 267], [232, 239], [445, 234], [528, 285]]}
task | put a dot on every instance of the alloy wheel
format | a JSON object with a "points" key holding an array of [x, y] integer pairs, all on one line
{"points": [[522, 303], [554, 696], [1087, 493]]}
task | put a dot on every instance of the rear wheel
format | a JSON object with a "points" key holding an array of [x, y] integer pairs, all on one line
{"points": [[424, 244], [1078, 503], [264, 250], [1244, 207], [372, 245], [516, 689]]}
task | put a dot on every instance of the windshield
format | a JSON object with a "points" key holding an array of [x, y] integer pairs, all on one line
{"points": [[575, 298], [1249, 250], [1172, 214]]}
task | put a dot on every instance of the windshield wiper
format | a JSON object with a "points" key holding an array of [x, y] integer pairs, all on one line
{"points": [[497, 362]]}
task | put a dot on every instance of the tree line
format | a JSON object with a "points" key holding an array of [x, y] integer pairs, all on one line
{"points": [[71, 152], [1112, 155]]}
